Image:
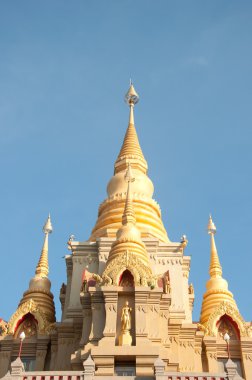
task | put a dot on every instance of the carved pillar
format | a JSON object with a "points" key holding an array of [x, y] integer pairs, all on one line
{"points": [[211, 353], [163, 326], [146, 352], [98, 315], [66, 345], [246, 352], [42, 345], [5, 355], [69, 265], [187, 348], [54, 348], [198, 351], [163, 318], [153, 315], [175, 322], [110, 301], [87, 318], [141, 299]]}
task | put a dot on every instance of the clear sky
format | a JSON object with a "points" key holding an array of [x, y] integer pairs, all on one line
{"points": [[64, 70]]}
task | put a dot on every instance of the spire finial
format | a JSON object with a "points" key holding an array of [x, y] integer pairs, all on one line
{"points": [[215, 269], [129, 213], [131, 149], [211, 226], [131, 97], [42, 268], [47, 228]]}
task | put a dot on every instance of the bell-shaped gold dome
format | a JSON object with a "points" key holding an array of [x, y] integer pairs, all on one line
{"points": [[147, 211], [128, 252]]}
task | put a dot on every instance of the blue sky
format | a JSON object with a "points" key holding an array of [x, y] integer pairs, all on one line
{"points": [[64, 70]]}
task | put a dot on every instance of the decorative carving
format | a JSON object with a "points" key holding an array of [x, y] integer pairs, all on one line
{"points": [[29, 307], [153, 308], [97, 278], [163, 315], [142, 308], [210, 328], [248, 357], [28, 326], [198, 351], [166, 283], [173, 339], [213, 355], [84, 286], [63, 289], [107, 280], [191, 289], [3, 327], [128, 261]]}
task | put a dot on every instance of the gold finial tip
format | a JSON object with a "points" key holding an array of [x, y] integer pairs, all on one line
{"points": [[131, 98], [211, 226], [48, 226]]}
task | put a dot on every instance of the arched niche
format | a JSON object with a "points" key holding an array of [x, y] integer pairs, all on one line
{"points": [[32, 308], [225, 309], [227, 325], [27, 324], [126, 279], [232, 348]]}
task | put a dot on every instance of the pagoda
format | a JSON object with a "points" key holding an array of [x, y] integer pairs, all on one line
{"points": [[127, 301]]}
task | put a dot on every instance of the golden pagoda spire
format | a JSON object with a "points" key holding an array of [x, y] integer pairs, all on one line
{"points": [[215, 269], [131, 149], [42, 268], [38, 299], [216, 287], [147, 210]]}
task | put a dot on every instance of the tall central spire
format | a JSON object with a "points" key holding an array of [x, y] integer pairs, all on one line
{"points": [[131, 149], [147, 211]]}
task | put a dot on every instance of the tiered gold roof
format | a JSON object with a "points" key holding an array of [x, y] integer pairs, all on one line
{"points": [[217, 287], [128, 251], [148, 213]]}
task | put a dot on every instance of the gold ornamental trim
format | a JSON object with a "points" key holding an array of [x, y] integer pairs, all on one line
{"points": [[142, 274], [210, 327], [29, 307]]}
